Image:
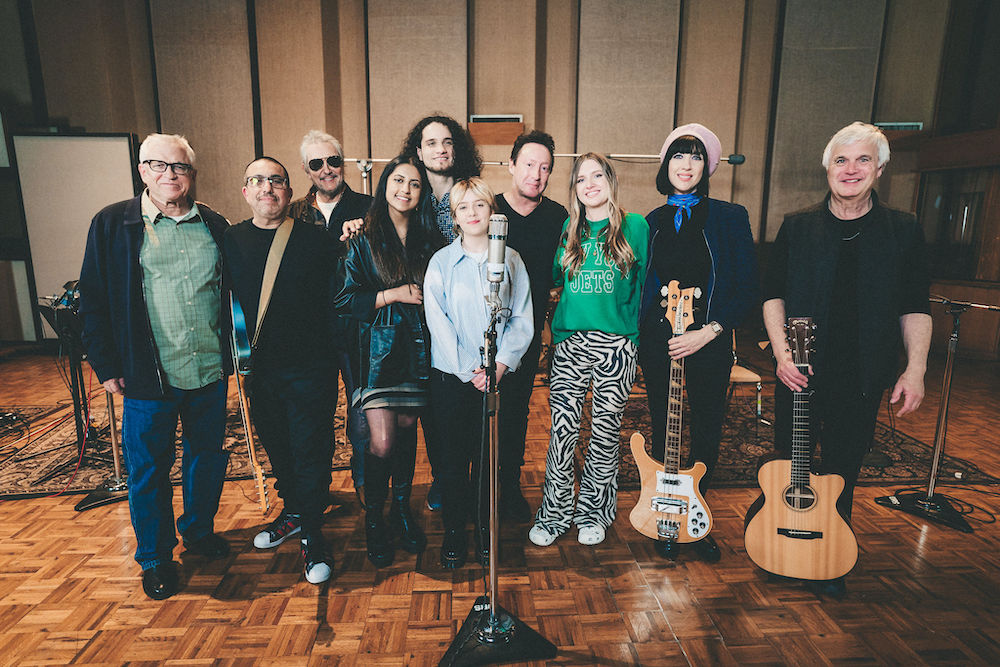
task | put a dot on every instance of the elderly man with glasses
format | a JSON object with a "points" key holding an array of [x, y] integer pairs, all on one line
{"points": [[292, 366], [156, 329]]}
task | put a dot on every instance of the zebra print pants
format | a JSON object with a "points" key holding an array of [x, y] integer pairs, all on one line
{"points": [[607, 362]]}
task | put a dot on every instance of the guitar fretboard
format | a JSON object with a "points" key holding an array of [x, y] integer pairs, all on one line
{"points": [[675, 410], [800, 433]]}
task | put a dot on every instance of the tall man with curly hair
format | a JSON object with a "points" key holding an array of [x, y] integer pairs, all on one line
{"points": [[448, 154]]}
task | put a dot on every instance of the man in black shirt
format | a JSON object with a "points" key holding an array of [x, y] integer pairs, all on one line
{"points": [[535, 226], [329, 204], [857, 268], [290, 388]]}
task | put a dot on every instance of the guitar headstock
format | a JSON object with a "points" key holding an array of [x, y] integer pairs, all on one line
{"points": [[799, 333], [679, 305]]}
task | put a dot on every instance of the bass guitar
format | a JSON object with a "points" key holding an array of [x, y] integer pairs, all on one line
{"points": [[670, 505], [241, 366], [794, 528]]}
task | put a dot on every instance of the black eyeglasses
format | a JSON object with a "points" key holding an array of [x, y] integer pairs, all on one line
{"points": [[179, 168], [334, 161], [277, 182]]}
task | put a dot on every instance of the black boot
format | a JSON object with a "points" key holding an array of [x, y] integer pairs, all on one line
{"points": [[404, 527], [380, 549]]}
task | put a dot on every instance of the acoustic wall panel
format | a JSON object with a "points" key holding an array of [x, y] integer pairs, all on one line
{"points": [[290, 43], [203, 77], [418, 65], [626, 87], [827, 80], [708, 85], [95, 63]]}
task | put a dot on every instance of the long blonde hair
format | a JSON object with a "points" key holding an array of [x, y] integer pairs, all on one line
{"points": [[616, 249]]}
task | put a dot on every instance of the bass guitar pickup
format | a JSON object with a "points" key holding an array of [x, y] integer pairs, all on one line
{"points": [[797, 534], [669, 505]]}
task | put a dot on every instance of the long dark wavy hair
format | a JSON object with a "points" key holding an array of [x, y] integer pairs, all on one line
{"points": [[468, 162], [398, 264]]}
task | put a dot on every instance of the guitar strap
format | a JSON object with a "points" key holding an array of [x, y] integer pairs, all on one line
{"points": [[274, 254], [240, 338]]}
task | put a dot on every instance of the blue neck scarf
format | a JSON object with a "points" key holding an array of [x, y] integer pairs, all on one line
{"points": [[683, 204]]}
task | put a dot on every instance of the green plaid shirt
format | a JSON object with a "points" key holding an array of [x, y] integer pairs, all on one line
{"points": [[181, 281]]}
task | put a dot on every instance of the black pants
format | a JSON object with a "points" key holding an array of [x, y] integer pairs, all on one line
{"points": [[516, 391], [842, 422], [706, 379], [458, 421], [293, 414]]}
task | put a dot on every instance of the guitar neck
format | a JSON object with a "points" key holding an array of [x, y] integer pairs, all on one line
{"points": [[675, 411], [801, 453]]}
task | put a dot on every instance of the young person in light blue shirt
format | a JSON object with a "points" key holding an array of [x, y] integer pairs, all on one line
{"points": [[455, 290]]}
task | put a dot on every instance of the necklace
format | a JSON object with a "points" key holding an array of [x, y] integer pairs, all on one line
{"points": [[851, 237]]}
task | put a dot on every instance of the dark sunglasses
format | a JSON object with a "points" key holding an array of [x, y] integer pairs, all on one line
{"points": [[334, 161]]}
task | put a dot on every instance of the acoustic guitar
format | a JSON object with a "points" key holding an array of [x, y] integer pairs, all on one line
{"points": [[241, 366], [670, 505], [794, 528]]}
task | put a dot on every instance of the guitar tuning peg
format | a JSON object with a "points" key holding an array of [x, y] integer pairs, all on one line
{"points": [[663, 303], [663, 290]]}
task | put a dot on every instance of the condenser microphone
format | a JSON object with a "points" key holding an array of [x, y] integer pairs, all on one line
{"points": [[497, 248], [494, 257], [735, 159]]}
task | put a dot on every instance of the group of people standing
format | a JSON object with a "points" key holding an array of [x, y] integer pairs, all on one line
{"points": [[390, 292]]}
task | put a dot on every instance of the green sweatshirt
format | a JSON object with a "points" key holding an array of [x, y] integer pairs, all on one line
{"points": [[599, 298]]}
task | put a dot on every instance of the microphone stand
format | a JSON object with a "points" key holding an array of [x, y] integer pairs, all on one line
{"points": [[929, 506], [491, 634], [114, 488]]}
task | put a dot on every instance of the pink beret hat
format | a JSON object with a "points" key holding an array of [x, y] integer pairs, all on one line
{"points": [[707, 137]]}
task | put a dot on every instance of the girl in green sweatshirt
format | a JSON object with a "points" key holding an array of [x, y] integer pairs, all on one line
{"points": [[601, 266]]}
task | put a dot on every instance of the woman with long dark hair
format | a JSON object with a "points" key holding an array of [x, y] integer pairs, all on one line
{"points": [[600, 263], [382, 290], [699, 242]]}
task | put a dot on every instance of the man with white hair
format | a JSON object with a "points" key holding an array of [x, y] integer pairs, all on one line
{"points": [[329, 203], [859, 270], [155, 327]]}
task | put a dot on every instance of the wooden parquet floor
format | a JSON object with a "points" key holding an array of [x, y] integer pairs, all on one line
{"points": [[70, 592]]}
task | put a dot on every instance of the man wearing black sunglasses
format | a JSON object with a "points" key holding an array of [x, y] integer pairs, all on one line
{"points": [[329, 203]]}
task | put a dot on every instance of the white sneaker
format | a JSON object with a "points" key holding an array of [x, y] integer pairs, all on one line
{"points": [[317, 563], [279, 530], [541, 537], [590, 535]]}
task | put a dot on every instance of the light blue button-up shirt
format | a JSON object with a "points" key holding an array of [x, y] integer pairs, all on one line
{"points": [[455, 288]]}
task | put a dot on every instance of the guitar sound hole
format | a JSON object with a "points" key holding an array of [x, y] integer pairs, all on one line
{"points": [[800, 497]]}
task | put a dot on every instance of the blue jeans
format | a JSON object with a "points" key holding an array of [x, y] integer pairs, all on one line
{"points": [[148, 428]]}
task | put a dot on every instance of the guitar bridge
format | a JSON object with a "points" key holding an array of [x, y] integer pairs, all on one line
{"points": [[667, 530]]}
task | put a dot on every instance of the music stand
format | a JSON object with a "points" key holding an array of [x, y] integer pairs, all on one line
{"points": [[927, 505]]}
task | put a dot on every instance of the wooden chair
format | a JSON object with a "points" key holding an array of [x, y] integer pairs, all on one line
{"points": [[740, 375]]}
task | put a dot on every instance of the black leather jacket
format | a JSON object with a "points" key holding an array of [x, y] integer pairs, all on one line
{"points": [[393, 343]]}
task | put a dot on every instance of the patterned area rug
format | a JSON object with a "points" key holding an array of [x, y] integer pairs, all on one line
{"points": [[896, 457], [46, 465]]}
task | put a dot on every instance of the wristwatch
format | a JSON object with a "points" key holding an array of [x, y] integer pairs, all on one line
{"points": [[715, 327]]}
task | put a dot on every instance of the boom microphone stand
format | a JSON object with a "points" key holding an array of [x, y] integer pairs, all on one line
{"points": [[490, 633], [929, 506]]}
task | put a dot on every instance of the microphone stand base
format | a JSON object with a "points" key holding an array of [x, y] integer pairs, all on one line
{"points": [[112, 490], [934, 508], [486, 640]]}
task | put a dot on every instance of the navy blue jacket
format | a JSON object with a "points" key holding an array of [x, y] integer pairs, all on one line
{"points": [[117, 334], [733, 283]]}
